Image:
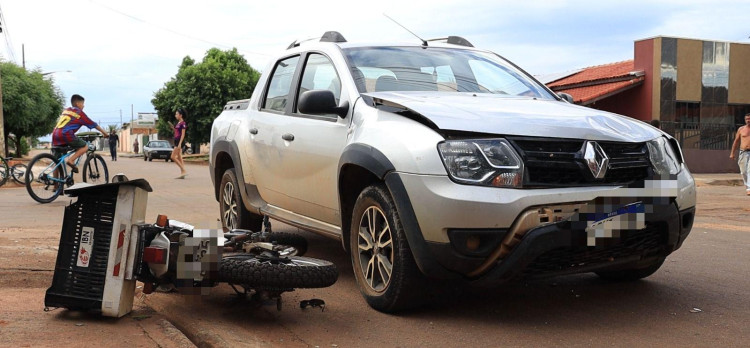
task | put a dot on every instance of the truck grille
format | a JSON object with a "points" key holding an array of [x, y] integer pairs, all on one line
{"points": [[552, 162], [647, 242]]}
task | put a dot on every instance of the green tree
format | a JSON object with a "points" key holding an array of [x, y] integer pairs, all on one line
{"points": [[202, 89], [31, 104]]}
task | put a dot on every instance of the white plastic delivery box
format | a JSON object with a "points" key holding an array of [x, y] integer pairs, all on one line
{"points": [[94, 267]]}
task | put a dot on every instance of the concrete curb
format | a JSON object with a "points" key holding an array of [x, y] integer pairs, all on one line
{"points": [[164, 334]]}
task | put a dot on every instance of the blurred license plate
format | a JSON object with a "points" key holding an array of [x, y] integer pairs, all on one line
{"points": [[609, 224]]}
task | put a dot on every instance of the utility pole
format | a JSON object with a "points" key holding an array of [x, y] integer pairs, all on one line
{"points": [[2, 119], [2, 122], [23, 56], [120, 118]]}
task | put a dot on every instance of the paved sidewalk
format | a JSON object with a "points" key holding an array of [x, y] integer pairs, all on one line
{"points": [[23, 323]]}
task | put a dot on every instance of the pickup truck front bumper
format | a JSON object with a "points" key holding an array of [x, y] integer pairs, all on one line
{"points": [[434, 211]]}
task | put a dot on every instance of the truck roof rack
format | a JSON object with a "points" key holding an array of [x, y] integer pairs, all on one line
{"points": [[332, 36], [329, 36], [454, 40]]}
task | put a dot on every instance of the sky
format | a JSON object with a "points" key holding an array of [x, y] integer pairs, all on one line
{"points": [[118, 53]]}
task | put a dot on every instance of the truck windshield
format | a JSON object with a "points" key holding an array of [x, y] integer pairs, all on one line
{"points": [[379, 69]]}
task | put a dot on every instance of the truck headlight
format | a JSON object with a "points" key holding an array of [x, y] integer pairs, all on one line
{"points": [[486, 162], [663, 157]]}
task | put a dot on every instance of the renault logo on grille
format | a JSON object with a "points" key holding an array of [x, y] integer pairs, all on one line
{"points": [[596, 159]]}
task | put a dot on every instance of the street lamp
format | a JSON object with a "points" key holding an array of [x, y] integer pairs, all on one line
{"points": [[52, 72]]}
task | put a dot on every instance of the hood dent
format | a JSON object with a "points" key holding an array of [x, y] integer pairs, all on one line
{"points": [[396, 108], [493, 114]]}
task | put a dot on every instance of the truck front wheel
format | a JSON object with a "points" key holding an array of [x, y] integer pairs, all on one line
{"points": [[384, 267], [232, 211]]}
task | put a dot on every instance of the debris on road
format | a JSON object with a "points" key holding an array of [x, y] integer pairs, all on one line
{"points": [[315, 302]]}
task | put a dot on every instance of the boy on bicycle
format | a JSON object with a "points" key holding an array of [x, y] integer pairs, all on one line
{"points": [[68, 124]]}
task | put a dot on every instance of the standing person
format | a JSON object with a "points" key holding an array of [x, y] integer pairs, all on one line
{"points": [[113, 140], [135, 145], [68, 124], [179, 137], [743, 140]]}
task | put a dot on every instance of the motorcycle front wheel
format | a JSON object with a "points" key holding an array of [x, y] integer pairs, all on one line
{"points": [[256, 271]]}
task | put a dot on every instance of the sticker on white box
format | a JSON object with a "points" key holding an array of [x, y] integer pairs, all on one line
{"points": [[85, 246]]}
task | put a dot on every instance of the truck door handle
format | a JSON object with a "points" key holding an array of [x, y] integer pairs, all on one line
{"points": [[253, 131], [288, 137]]}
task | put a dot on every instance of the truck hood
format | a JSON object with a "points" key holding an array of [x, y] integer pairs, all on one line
{"points": [[503, 115]]}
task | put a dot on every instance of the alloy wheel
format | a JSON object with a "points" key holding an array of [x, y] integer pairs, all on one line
{"points": [[229, 215], [375, 248]]}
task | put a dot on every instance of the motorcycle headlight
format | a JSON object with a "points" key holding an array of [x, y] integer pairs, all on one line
{"points": [[490, 162], [663, 157]]}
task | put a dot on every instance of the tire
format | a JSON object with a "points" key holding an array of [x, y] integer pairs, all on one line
{"points": [[231, 209], [150, 159], [145, 157], [387, 275], [257, 272], [38, 183], [289, 239], [95, 170], [631, 274], [18, 173], [4, 171]]}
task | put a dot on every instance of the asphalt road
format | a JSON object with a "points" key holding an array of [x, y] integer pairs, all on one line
{"points": [[698, 298]]}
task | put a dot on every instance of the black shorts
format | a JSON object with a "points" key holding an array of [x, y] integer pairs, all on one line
{"points": [[176, 142], [77, 143], [74, 144]]}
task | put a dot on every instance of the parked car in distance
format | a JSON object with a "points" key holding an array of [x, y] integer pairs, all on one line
{"points": [[439, 161], [160, 149]]}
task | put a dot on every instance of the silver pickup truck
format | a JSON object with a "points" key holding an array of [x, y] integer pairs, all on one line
{"points": [[440, 161]]}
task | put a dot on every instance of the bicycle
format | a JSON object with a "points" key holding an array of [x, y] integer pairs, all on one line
{"points": [[47, 173], [17, 172]]}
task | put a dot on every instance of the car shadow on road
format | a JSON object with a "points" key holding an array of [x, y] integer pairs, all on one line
{"points": [[572, 300]]}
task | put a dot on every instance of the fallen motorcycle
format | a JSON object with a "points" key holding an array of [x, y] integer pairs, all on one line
{"points": [[105, 247], [264, 264]]}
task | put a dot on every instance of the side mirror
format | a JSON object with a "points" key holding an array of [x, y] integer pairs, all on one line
{"points": [[321, 102], [566, 97]]}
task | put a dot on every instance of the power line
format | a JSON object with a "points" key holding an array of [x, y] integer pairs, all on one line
{"points": [[102, 112], [98, 85], [6, 34], [172, 31]]}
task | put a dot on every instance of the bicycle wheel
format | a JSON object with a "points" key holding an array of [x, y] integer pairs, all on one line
{"points": [[95, 170], [18, 173], [294, 272], [4, 171], [44, 178]]}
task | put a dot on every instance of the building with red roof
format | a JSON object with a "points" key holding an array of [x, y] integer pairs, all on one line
{"points": [[698, 90]]}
